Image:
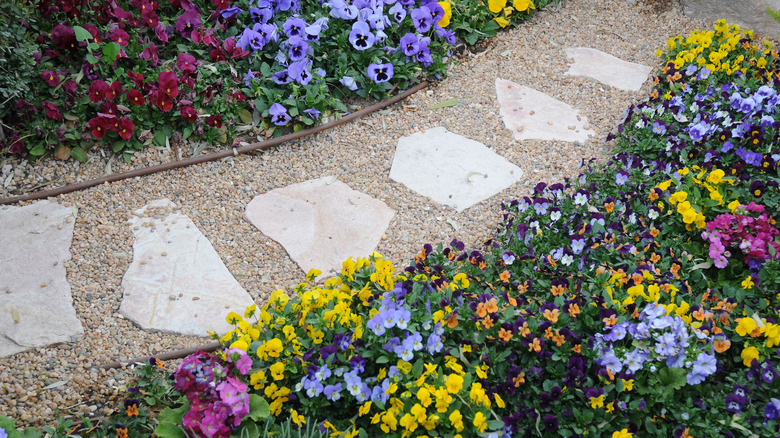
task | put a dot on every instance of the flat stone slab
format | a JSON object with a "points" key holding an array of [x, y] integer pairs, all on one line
{"points": [[36, 307], [321, 222], [177, 283], [607, 69], [535, 115], [749, 14], [451, 169]]}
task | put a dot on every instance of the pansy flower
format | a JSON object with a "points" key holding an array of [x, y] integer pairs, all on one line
{"points": [[279, 116], [380, 72]]}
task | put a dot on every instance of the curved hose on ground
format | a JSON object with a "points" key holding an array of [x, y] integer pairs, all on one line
{"points": [[213, 156]]}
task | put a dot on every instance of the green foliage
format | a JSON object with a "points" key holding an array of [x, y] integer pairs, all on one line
{"points": [[17, 46], [772, 13]]}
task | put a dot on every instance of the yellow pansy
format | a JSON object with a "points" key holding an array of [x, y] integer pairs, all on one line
{"points": [[747, 283], [503, 22], [748, 354], [480, 422], [523, 5], [445, 20], [496, 6]]}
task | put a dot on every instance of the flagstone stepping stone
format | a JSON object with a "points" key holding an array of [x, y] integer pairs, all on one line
{"points": [[320, 222], [607, 69], [177, 283], [36, 307], [451, 169], [532, 114]]}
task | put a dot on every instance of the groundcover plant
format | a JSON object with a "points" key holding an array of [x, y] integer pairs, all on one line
{"points": [[133, 73], [640, 298]]}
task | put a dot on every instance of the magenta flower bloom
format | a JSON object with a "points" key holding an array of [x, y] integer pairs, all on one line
{"points": [[188, 22], [186, 63], [51, 77], [169, 83], [98, 126], [64, 37], [98, 90], [120, 37], [380, 72], [215, 121], [189, 114], [150, 54], [135, 97], [126, 127], [52, 111]]}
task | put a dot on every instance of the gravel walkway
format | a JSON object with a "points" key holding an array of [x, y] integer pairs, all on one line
{"points": [[360, 154]]}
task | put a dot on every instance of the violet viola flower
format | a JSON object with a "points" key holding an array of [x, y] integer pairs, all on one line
{"points": [[422, 19], [282, 77], [294, 26], [260, 15], [361, 37], [251, 39], [380, 72], [299, 71], [343, 10], [313, 112], [279, 116], [298, 48], [349, 82], [409, 44], [398, 12]]}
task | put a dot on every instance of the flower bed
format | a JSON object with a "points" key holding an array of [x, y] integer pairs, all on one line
{"points": [[132, 73], [639, 299]]}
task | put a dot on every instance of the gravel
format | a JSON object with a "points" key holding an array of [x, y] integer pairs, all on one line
{"points": [[360, 154]]}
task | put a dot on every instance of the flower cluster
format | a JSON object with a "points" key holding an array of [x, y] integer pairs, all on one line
{"points": [[218, 400]]}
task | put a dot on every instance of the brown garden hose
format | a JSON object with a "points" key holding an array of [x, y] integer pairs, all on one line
{"points": [[213, 156], [178, 354]]}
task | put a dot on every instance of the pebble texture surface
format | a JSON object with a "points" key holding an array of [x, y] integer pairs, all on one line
{"points": [[177, 283], [451, 169], [36, 307], [214, 195], [321, 222]]}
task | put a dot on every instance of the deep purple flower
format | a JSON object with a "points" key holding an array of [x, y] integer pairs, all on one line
{"points": [[279, 116], [380, 72], [64, 37], [772, 410], [188, 22]]}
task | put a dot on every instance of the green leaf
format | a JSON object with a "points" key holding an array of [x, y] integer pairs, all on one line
{"points": [[91, 59], [247, 429], [382, 359], [175, 415], [258, 408], [417, 369], [82, 34], [448, 102], [30, 432], [495, 424], [110, 51], [169, 430], [38, 150], [78, 154], [672, 378]]}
